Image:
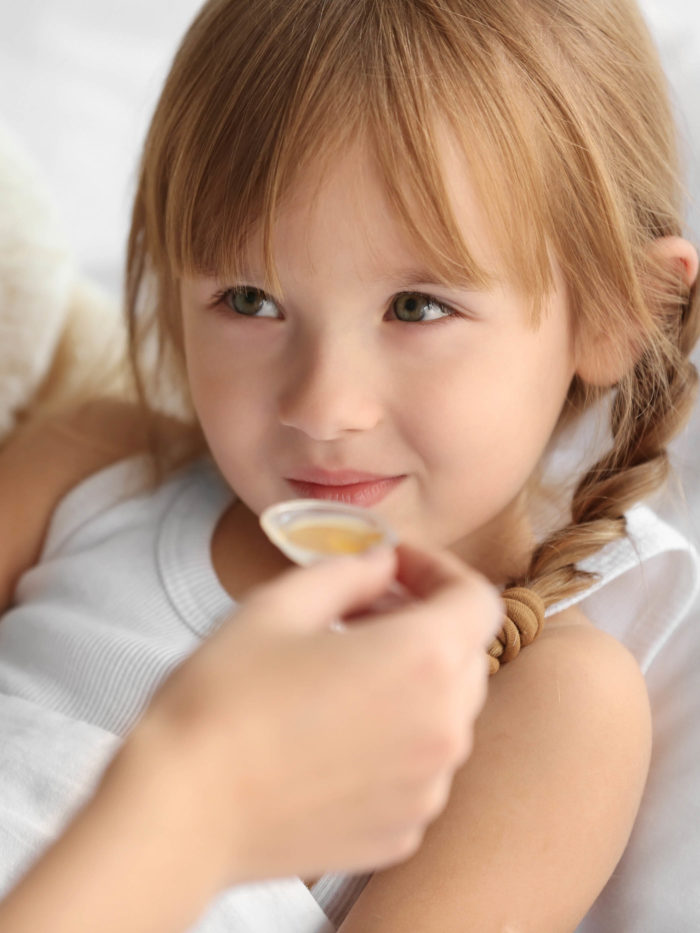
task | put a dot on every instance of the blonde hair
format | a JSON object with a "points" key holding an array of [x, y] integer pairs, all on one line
{"points": [[560, 108]]}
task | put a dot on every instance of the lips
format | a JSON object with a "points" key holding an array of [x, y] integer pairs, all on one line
{"points": [[349, 486]]}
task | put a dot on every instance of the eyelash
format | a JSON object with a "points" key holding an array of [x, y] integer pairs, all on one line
{"points": [[217, 302]]}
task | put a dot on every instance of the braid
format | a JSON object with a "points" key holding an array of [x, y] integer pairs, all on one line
{"points": [[652, 404]]}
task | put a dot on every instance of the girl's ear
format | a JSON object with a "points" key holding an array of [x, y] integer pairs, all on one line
{"points": [[676, 255], [603, 358]]}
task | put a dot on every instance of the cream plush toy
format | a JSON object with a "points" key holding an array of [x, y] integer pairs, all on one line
{"points": [[59, 334]]}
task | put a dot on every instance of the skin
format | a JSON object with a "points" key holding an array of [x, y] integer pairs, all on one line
{"points": [[328, 375]]}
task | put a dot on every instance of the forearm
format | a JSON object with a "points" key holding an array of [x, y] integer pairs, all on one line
{"points": [[131, 861]]}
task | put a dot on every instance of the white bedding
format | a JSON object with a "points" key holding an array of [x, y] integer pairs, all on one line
{"points": [[78, 80]]}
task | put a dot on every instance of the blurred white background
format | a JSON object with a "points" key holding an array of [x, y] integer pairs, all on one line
{"points": [[79, 80]]}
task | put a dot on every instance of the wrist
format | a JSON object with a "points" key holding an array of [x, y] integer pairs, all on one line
{"points": [[170, 809], [131, 859]]}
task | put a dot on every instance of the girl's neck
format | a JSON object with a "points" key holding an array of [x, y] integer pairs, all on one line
{"points": [[502, 549], [242, 555]]}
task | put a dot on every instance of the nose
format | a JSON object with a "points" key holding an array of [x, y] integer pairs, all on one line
{"points": [[328, 388]]}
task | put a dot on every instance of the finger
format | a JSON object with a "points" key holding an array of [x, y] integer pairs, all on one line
{"points": [[451, 590], [425, 572], [309, 598]]}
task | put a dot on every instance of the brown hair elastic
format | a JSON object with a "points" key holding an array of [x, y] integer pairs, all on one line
{"points": [[523, 622]]}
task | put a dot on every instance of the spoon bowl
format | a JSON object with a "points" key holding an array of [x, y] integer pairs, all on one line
{"points": [[309, 530]]}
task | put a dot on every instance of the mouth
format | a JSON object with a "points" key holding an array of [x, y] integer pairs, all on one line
{"points": [[349, 486]]}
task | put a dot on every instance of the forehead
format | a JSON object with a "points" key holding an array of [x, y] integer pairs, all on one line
{"points": [[344, 209]]}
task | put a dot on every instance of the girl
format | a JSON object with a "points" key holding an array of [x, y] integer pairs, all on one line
{"points": [[390, 251]]}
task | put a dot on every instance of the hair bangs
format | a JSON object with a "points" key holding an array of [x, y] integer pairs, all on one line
{"points": [[422, 100], [295, 84], [291, 111], [284, 104]]}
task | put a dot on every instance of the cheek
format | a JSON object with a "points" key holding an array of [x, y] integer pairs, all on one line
{"points": [[488, 418], [224, 389], [205, 380], [459, 408]]}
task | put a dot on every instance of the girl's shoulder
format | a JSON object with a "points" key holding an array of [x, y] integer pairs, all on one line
{"points": [[545, 803], [593, 661], [49, 456], [581, 680]]}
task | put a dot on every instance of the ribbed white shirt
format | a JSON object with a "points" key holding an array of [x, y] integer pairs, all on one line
{"points": [[125, 590]]}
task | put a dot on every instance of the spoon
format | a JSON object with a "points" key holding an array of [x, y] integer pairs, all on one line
{"points": [[310, 530]]}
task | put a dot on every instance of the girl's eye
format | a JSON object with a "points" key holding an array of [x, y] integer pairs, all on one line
{"points": [[251, 302], [409, 307], [414, 307]]}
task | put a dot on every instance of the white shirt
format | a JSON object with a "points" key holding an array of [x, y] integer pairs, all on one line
{"points": [[125, 590]]}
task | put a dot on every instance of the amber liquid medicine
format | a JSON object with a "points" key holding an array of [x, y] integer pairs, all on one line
{"points": [[307, 530]]}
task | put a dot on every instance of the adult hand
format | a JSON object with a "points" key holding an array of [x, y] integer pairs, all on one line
{"points": [[285, 747]]}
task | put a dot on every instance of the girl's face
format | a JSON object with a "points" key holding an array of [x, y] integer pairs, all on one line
{"points": [[366, 366]]}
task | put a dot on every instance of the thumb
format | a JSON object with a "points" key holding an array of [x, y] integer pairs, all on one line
{"points": [[310, 598]]}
